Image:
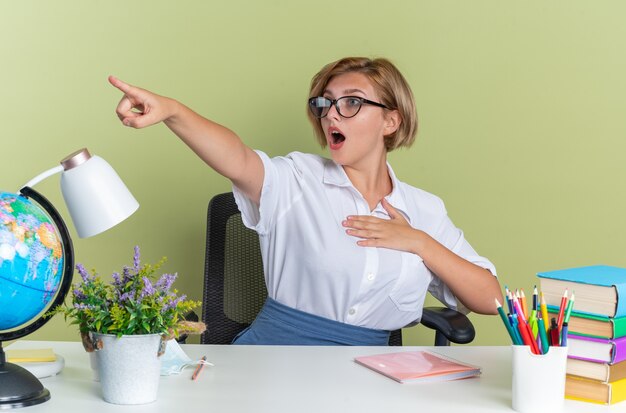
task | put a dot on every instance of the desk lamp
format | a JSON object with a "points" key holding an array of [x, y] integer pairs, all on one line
{"points": [[97, 200]]}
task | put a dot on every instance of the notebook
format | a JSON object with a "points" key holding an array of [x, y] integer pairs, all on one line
{"points": [[30, 355], [418, 366]]}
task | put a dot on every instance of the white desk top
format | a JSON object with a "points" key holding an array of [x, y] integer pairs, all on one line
{"points": [[261, 379]]}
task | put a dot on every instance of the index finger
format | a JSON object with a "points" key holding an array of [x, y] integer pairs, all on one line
{"points": [[124, 87]]}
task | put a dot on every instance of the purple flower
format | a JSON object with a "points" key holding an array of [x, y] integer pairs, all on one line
{"points": [[173, 302], [126, 297], [136, 258], [165, 282], [148, 288], [125, 274], [79, 294], [83, 272], [116, 279]]}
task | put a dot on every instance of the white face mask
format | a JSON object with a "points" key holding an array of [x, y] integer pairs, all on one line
{"points": [[174, 360]]}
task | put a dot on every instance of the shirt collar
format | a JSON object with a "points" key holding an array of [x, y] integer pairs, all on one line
{"points": [[334, 174]]}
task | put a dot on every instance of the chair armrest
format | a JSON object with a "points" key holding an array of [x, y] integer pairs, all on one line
{"points": [[449, 324]]}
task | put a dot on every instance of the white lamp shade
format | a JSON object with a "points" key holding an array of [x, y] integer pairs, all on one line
{"points": [[96, 197]]}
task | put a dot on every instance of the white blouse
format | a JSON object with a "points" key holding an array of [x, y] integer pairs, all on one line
{"points": [[311, 264]]}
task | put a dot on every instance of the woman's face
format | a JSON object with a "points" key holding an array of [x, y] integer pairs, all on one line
{"points": [[356, 141]]}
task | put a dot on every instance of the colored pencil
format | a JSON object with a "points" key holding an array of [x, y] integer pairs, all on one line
{"points": [[559, 321], [199, 368]]}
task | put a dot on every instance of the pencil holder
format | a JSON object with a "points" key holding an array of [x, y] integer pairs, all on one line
{"points": [[538, 380]]}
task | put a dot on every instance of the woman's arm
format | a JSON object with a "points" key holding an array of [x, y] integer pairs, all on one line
{"points": [[216, 145], [474, 286]]}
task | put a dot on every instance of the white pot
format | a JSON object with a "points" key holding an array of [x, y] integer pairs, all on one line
{"points": [[129, 367]]}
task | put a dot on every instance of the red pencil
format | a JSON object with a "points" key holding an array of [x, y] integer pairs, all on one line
{"points": [[559, 321], [525, 331]]}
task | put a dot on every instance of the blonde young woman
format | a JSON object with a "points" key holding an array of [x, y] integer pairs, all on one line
{"points": [[349, 250]]}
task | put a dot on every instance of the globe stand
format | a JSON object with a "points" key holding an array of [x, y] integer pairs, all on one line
{"points": [[18, 386]]}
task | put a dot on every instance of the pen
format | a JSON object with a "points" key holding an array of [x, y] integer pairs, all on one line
{"points": [[554, 332], [532, 318], [564, 335], [198, 369], [534, 326], [544, 312], [559, 321]]}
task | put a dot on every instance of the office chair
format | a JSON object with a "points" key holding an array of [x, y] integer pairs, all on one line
{"points": [[234, 285]]}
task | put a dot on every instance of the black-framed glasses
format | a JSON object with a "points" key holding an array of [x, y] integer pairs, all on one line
{"points": [[347, 106]]}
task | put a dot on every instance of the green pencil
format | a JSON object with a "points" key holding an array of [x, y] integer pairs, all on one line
{"points": [[505, 320]]}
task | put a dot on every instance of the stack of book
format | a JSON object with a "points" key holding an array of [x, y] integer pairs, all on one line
{"points": [[596, 339]]}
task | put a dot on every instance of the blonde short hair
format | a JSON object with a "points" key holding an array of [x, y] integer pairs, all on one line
{"points": [[393, 91]]}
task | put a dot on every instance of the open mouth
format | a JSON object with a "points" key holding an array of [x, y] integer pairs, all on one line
{"points": [[337, 137]]}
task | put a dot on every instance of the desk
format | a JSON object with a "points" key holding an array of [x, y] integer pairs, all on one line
{"points": [[259, 379]]}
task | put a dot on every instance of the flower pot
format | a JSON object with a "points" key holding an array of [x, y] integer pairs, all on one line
{"points": [[129, 367]]}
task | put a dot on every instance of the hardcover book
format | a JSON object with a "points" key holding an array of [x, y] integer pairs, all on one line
{"points": [[604, 372], [577, 388], [594, 325], [418, 366], [597, 287], [598, 350]]}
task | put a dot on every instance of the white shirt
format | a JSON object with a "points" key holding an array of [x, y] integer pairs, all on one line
{"points": [[311, 264]]}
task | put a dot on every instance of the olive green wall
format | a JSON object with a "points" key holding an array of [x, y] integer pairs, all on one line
{"points": [[522, 110]]}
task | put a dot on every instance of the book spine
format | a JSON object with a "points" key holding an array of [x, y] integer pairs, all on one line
{"points": [[619, 351], [619, 327], [620, 309]]}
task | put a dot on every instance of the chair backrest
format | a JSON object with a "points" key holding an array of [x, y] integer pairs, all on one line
{"points": [[234, 283]]}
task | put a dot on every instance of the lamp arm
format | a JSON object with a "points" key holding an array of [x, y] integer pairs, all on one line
{"points": [[43, 175]]}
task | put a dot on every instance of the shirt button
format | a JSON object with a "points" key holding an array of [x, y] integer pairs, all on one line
{"points": [[370, 276], [352, 311]]}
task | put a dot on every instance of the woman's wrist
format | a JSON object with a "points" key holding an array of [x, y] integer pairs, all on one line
{"points": [[419, 242], [173, 108]]}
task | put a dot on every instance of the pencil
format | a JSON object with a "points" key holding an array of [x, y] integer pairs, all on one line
{"points": [[509, 329], [198, 369], [509, 299], [545, 343], [568, 312], [507, 295], [559, 321], [522, 301], [524, 330]]}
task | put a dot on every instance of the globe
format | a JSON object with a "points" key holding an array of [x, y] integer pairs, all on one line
{"points": [[31, 260], [36, 260]]}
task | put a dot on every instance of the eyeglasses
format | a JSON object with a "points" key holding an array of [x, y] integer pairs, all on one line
{"points": [[347, 106]]}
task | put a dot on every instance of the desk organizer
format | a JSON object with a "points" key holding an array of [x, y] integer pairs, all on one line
{"points": [[538, 380]]}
